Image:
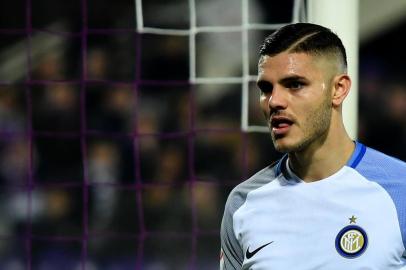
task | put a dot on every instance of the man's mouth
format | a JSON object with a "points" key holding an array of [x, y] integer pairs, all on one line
{"points": [[280, 125]]}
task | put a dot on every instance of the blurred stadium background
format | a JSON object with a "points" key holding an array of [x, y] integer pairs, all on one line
{"points": [[111, 157]]}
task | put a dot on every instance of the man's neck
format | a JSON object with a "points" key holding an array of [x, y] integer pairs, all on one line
{"points": [[322, 158]]}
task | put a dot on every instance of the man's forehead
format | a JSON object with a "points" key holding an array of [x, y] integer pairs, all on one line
{"points": [[286, 58], [285, 63], [295, 63]]}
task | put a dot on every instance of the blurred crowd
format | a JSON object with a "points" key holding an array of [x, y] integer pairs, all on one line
{"points": [[382, 110], [109, 153]]}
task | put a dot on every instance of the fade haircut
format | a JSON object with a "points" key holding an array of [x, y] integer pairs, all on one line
{"points": [[307, 38]]}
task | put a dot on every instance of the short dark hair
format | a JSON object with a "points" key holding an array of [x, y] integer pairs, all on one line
{"points": [[304, 37]]}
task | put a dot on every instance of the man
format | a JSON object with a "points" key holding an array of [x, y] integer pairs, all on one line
{"points": [[329, 203]]}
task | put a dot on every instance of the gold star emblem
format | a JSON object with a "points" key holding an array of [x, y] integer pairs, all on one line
{"points": [[352, 219]]}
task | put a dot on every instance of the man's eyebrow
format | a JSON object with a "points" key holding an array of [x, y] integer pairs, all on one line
{"points": [[262, 84], [293, 78]]}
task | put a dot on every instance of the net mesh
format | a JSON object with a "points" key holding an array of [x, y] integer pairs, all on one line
{"points": [[120, 138]]}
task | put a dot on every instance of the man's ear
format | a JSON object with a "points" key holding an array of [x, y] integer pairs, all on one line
{"points": [[341, 88]]}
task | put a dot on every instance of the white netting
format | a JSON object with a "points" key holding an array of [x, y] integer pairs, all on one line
{"points": [[231, 13]]}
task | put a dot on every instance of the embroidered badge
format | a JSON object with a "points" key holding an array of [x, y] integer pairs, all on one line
{"points": [[352, 240]]}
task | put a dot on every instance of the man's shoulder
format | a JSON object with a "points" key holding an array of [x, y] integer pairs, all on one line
{"points": [[239, 193], [378, 160], [380, 167]]}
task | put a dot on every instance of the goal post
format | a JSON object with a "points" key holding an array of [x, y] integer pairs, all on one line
{"points": [[342, 18]]}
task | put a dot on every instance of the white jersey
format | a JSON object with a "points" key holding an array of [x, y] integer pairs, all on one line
{"points": [[354, 219]]}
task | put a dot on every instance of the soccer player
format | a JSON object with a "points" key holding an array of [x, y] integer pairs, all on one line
{"points": [[329, 202]]}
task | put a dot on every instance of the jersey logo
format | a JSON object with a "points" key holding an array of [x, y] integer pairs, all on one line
{"points": [[351, 241], [249, 254]]}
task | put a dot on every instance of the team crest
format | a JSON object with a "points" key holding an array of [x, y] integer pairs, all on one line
{"points": [[351, 241]]}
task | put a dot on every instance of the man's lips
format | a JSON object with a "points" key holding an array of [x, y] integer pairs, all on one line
{"points": [[280, 124]]}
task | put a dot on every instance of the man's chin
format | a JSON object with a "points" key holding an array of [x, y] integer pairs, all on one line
{"points": [[283, 146]]}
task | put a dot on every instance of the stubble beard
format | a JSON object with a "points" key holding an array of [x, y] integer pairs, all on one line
{"points": [[315, 128]]}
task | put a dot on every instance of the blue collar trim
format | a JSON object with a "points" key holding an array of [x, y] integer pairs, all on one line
{"points": [[281, 164], [354, 160], [357, 156]]}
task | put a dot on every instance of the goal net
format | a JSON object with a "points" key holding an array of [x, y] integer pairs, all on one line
{"points": [[124, 126]]}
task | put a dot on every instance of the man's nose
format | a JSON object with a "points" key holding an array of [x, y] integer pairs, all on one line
{"points": [[278, 99]]}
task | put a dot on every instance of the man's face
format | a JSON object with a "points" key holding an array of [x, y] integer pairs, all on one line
{"points": [[295, 99]]}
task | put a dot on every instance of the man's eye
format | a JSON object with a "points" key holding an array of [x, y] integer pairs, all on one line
{"points": [[265, 87], [295, 85], [266, 90]]}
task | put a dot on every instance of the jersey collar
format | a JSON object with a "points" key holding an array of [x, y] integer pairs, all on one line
{"points": [[357, 155], [354, 160]]}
